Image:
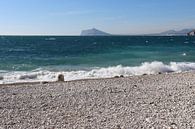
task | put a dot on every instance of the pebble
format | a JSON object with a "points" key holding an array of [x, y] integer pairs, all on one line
{"points": [[152, 101]]}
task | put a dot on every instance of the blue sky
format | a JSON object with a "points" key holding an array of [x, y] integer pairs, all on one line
{"points": [[69, 17]]}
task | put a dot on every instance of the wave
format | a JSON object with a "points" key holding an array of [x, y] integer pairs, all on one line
{"points": [[50, 39], [145, 68]]}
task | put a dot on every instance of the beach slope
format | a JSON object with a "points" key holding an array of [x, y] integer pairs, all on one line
{"points": [[150, 101]]}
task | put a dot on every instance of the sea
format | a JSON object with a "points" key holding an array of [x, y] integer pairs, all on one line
{"points": [[43, 58]]}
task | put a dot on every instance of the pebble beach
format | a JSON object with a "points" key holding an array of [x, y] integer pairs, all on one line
{"points": [[163, 101]]}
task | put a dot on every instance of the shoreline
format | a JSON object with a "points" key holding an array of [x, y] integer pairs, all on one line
{"points": [[148, 101], [91, 79], [146, 68]]}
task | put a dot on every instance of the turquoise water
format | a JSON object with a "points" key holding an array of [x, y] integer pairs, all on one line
{"points": [[27, 53], [24, 54]]}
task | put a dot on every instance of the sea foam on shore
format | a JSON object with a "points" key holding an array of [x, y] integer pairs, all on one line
{"points": [[46, 75]]}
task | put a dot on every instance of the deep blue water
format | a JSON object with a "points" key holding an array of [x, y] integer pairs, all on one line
{"points": [[31, 52]]}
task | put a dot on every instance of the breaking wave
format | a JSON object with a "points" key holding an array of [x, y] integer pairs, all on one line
{"points": [[145, 68]]}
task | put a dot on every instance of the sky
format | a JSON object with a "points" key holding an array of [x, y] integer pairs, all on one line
{"points": [[69, 17]]}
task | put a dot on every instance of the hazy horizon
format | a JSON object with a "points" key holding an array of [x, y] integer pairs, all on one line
{"points": [[126, 17]]}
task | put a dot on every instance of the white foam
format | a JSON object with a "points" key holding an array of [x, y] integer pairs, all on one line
{"points": [[145, 68], [184, 54]]}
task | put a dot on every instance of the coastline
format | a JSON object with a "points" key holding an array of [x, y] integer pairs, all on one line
{"points": [[147, 101], [92, 79]]}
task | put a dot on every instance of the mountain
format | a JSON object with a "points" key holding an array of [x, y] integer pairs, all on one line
{"points": [[94, 32], [173, 33]]}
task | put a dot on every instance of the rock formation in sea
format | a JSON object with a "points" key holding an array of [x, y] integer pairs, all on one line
{"points": [[94, 32], [191, 33]]}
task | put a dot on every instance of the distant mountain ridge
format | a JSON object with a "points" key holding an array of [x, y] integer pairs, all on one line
{"points": [[182, 32], [94, 32]]}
